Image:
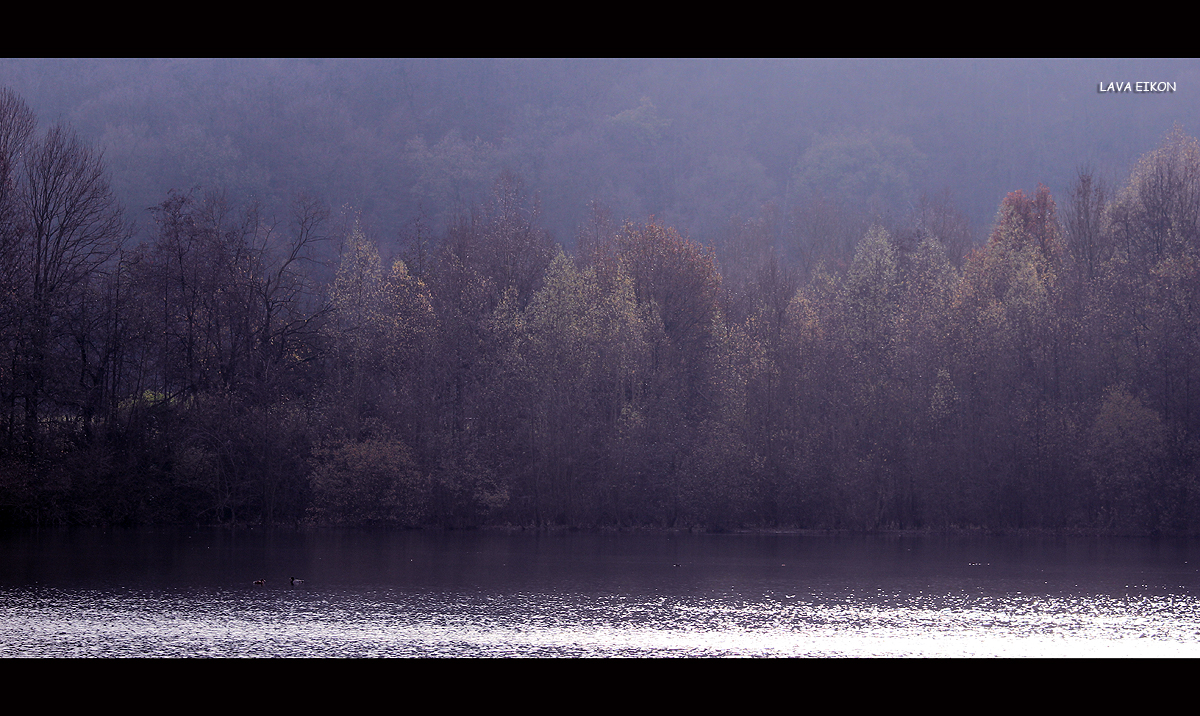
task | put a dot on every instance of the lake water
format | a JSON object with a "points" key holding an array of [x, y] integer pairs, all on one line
{"points": [[189, 593]]}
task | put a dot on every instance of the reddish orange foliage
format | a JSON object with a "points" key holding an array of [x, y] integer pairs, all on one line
{"points": [[678, 274], [1026, 219]]}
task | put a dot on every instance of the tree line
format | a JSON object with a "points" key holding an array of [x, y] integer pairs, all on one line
{"points": [[229, 367]]}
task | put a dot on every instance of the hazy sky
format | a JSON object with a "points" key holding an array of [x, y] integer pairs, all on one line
{"points": [[393, 137]]}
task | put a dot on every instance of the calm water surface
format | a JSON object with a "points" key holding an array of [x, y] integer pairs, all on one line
{"points": [[191, 593]]}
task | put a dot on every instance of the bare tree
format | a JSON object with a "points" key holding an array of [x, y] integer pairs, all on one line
{"points": [[74, 221], [1086, 237], [285, 293], [69, 224], [937, 216], [17, 123]]}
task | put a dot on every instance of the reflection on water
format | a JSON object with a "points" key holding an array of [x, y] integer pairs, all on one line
{"points": [[643, 595], [46, 622]]}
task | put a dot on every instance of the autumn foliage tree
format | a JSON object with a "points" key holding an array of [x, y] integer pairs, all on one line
{"points": [[844, 373], [1158, 213], [1025, 220], [678, 280]]}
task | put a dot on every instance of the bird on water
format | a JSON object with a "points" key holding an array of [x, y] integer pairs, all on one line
{"points": [[297, 582]]}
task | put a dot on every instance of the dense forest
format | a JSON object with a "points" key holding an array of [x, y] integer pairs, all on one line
{"points": [[818, 365]]}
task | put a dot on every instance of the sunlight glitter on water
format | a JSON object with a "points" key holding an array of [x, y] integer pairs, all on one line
{"points": [[64, 623]]}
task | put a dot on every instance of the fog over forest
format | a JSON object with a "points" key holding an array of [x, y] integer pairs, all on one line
{"points": [[852, 294], [691, 142]]}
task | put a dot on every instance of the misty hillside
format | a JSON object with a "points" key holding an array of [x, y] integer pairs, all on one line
{"points": [[691, 142]]}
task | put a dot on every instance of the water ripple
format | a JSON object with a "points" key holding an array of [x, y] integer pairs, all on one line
{"points": [[42, 622]]}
